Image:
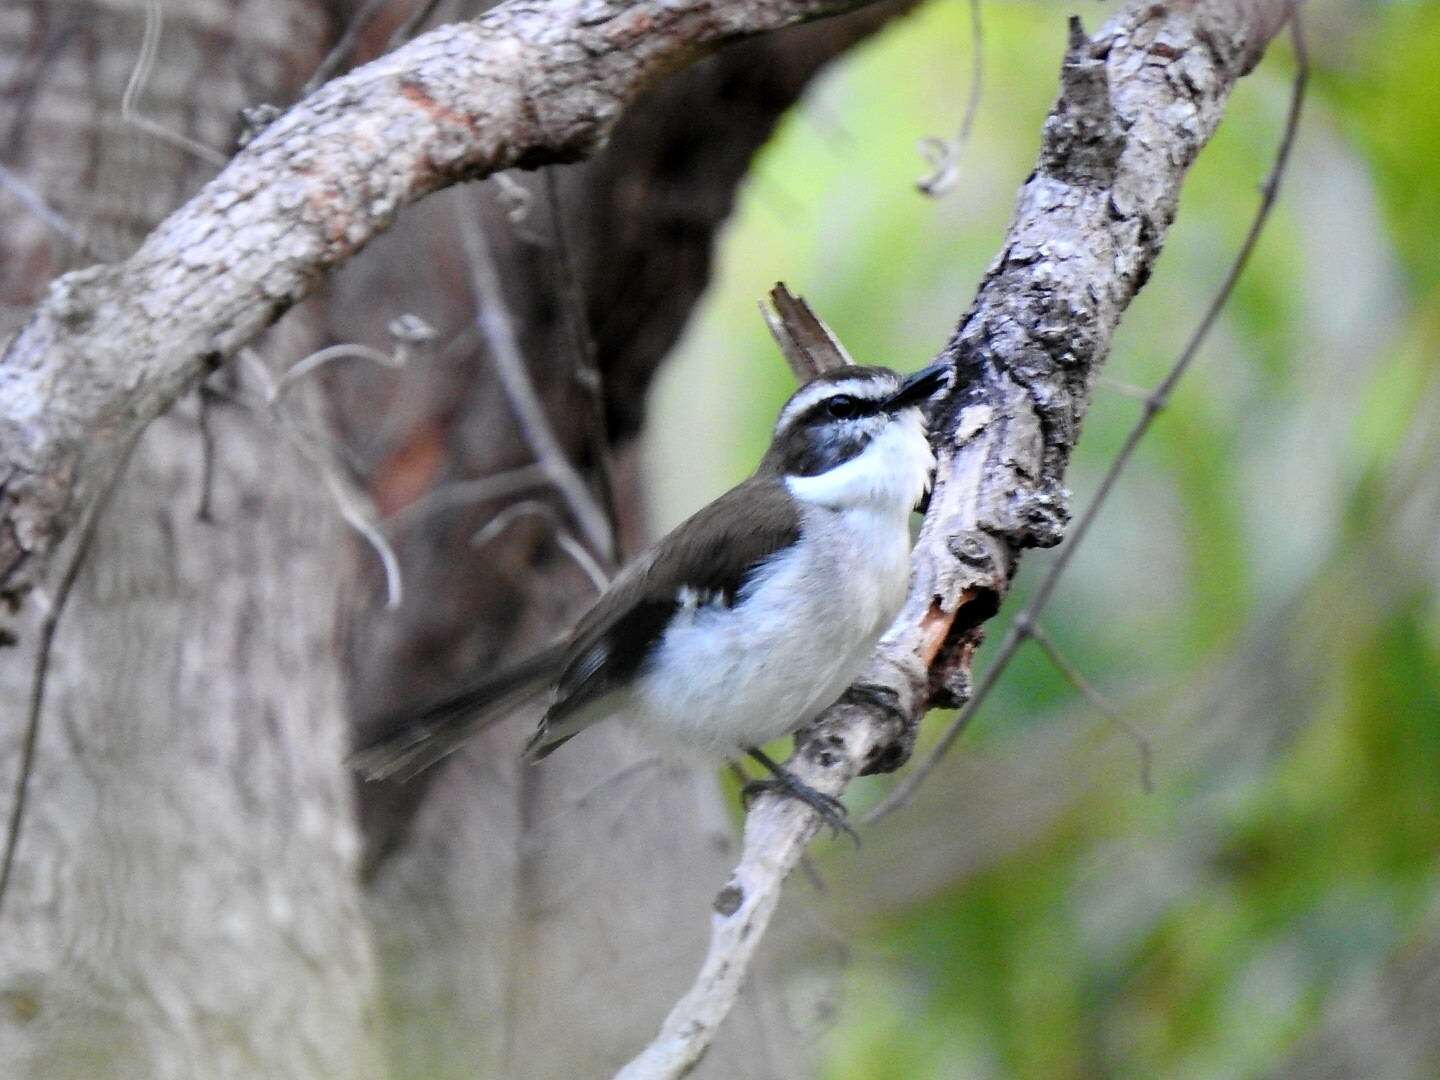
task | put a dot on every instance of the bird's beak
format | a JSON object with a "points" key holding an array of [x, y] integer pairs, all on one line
{"points": [[920, 387]]}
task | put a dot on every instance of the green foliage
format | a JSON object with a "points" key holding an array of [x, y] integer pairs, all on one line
{"points": [[1387, 100], [1260, 598]]}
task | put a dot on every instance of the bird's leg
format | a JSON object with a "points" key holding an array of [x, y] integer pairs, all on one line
{"points": [[785, 783]]}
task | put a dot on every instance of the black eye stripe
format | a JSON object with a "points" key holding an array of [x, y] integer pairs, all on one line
{"points": [[823, 409]]}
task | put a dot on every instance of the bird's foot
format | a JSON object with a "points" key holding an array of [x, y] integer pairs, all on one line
{"points": [[786, 784]]}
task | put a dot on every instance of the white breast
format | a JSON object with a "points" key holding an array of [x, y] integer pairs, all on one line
{"points": [[726, 678], [723, 678]]}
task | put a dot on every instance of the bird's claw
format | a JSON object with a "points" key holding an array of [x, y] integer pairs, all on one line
{"points": [[828, 808]]}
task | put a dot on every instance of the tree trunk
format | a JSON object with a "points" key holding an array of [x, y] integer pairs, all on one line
{"points": [[184, 901], [513, 903], [186, 896]]}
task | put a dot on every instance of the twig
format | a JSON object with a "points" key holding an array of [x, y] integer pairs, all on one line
{"points": [[467, 492], [944, 154], [1072, 242], [518, 201], [807, 864], [743, 910], [343, 48], [250, 360], [354, 505], [1124, 389], [359, 514], [1097, 701], [328, 176], [38, 681], [586, 368], [207, 454], [31, 200], [563, 536], [904, 791], [139, 75], [901, 794], [300, 369], [493, 318], [406, 30]]}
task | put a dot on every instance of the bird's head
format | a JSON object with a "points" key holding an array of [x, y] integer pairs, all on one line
{"points": [[856, 436]]}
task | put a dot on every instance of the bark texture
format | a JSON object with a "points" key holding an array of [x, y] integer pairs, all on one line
{"points": [[184, 900], [1137, 103], [513, 909], [113, 346], [195, 723], [510, 902]]}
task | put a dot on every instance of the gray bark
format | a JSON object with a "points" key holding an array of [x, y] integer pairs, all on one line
{"points": [[113, 346], [561, 897], [194, 726], [184, 900], [1137, 103], [491, 936]]}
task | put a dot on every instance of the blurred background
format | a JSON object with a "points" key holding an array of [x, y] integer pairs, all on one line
{"points": [[1258, 600]]}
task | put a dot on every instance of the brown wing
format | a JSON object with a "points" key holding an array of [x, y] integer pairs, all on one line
{"points": [[713, 553]]}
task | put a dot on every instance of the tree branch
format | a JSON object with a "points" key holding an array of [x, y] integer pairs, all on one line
{"points": [[1137, 103], [1025, 624], [112, 347], [498, 329]]}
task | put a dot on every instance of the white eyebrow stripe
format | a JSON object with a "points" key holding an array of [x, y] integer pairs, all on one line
{"points": [[818, 391]]}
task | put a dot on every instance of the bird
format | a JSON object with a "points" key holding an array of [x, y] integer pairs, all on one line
{"points": [[747, 620]]}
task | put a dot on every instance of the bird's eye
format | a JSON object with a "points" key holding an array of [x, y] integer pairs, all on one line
{"points": [[843, 407]]}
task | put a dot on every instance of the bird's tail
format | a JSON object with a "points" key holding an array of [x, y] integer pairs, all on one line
{"points": [[409, 743]]}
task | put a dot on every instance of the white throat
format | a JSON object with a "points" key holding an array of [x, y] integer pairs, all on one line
{"points": [[891, 473]]}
